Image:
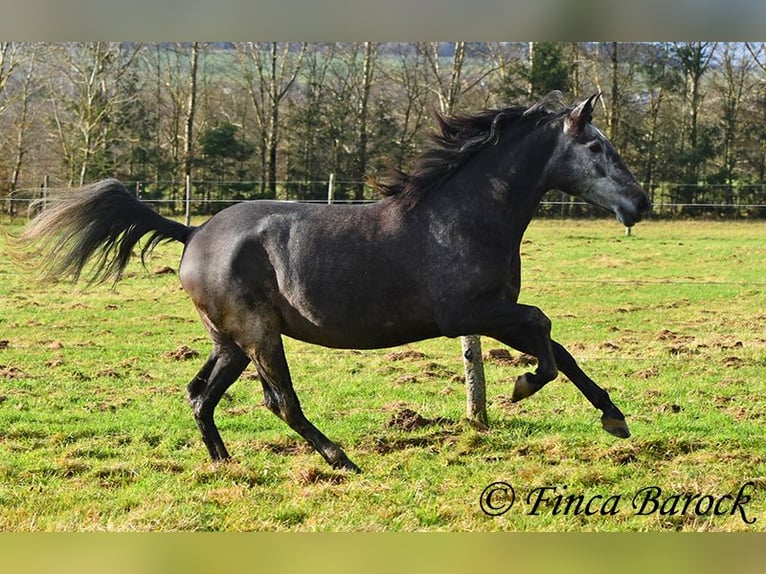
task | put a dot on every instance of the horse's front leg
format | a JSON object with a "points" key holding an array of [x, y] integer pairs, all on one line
{"points": [[522, 327], [612, 420]]}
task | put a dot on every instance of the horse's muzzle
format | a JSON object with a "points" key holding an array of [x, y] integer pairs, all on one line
{"points": [[631, 212]]}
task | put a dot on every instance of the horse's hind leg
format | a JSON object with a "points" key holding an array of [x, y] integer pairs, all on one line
{"points": [[280, 398], [225, 364], [612, 419]]}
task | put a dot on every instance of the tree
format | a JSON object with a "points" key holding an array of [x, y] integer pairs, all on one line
{"points": [[368, 69], [662, 81], [731, 83], [694, 58], [85, 105], [448, 85], [270, 70], [548, 70], [310, 142], [224, 154]]}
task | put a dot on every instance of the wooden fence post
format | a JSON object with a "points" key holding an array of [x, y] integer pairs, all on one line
{"points": [[476, 396], [331, 189]]}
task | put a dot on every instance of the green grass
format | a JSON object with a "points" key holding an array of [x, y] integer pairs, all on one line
{"points": [[95, 432]]}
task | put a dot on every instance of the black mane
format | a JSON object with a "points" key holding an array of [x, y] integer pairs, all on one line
{"points": [[457, 139]]}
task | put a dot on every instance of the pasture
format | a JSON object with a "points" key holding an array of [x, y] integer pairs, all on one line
{"points": [[96, 433]]}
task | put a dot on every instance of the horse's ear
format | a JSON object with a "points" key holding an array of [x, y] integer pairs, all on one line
{"points": [[580, 115]]}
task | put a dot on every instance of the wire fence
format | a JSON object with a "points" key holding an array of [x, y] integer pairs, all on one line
{"points": [[669, 200], [204, 202]]}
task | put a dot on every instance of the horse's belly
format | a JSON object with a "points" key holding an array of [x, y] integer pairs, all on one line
{"points": [[358, 324], [361, 336]]}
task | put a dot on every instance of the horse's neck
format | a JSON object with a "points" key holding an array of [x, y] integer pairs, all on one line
{"points": [[497, 191]]}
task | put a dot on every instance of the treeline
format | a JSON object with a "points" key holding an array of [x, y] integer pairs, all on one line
{"points": [[262, 120]]}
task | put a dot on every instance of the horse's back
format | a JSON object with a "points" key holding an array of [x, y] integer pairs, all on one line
{"points": [[331, 275]]}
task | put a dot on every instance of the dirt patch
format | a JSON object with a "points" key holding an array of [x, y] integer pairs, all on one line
{"points": [[164, 270], [406, 380], [609, 346], [670, 408], [437, 371], [4, 343], [182, 353], [408, 420], [623, 454], [405, 355], [646, 373], [732, 362], [314, 475], [9, 372], [504, 357], [287, 448]]}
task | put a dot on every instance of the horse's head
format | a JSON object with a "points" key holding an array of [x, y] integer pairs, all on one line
{"points": [[586, 165]]}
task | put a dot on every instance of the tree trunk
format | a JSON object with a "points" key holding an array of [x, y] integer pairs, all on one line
{"points": [[370, 49]]}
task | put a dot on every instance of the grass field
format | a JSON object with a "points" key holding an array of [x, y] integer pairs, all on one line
{"points": [[96, 434]]}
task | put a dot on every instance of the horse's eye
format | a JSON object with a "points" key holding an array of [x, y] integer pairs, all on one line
{"points": [[595, 146]]}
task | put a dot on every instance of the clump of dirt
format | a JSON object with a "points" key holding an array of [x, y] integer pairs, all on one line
{"points": [[182, 353], [405, 355], [646, 373], [406, 380], [10, 372], [670, 408], [733, 362], [164, 270], [609, 346], [288, 447], [504, 357], [408, 420], [667, 335], [314, 475], [4, 343]]}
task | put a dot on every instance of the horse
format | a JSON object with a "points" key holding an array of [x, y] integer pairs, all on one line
{"points": [[436, 256]]}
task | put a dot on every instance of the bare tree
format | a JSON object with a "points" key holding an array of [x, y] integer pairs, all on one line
{"points": [[695, 58], [270, 71], [368, 67], [83, 106], [22, 121], [9, 61], [731, 81], [448, 86]]}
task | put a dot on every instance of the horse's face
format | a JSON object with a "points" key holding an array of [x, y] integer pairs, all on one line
{"points": [[586, 165]]}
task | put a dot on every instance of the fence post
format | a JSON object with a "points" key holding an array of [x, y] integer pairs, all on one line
{"points": [[44, 190], [187, 216], [476, 396], [331, 189]]}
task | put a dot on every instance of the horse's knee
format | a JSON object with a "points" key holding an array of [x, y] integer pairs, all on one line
{"points": [[539, 320]]}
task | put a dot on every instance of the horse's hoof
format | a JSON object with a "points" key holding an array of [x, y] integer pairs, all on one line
{"points": [[351, 467], [343, 463], [522, 389], [616, 427]]}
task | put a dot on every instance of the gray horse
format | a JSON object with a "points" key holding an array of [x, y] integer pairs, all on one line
{"points": [[438, 256]]}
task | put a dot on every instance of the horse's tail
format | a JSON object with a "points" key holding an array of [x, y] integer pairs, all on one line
{"points": [[103, 221]]}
